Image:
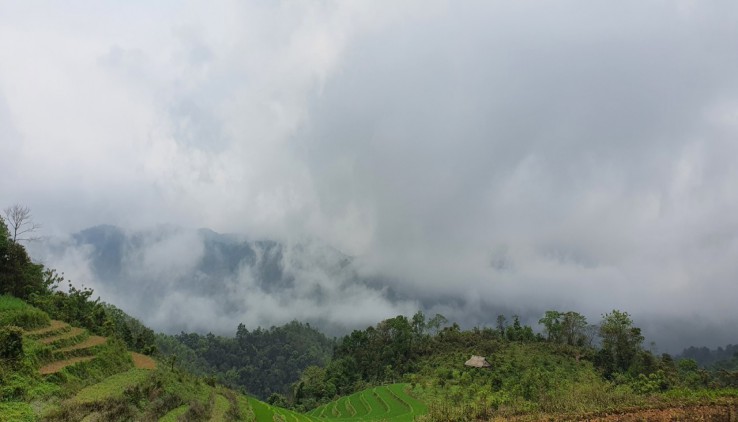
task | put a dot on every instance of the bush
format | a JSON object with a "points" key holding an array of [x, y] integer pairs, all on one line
{"points": [[11, 343]]}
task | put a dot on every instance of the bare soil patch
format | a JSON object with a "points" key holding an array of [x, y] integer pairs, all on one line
{"points": [[717, 413], [143, 361]]}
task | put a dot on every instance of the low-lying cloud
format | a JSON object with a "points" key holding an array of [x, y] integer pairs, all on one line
{"points": [[470, 157]]}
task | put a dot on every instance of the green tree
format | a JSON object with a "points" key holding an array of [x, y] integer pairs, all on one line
{"points": [[437, 322], [419, 324], [501, 324], [19, 276], [551, 322], [621, 343], [574, 329]]}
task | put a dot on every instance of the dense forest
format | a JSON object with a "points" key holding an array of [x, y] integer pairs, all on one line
{"points": [[262, 361], [720, 358]]}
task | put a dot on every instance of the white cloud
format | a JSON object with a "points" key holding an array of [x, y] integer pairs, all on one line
{"points": [[590, 147]]}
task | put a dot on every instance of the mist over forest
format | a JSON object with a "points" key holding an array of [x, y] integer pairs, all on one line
{"points": [[167, 274], [341, 163]]}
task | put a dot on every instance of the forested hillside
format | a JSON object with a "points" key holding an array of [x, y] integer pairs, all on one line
{"points": [[262, 361], [65, 356], [557, 372], [720, 358]]}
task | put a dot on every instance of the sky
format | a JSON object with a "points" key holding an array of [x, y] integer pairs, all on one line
{"points": [[525, 155]]}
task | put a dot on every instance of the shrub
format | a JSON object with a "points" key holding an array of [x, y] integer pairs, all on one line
{"points": [[11, 343]]}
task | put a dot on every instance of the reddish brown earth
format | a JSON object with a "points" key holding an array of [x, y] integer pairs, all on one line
{"points": [[143, 361], [721, 410], [717, 413]]}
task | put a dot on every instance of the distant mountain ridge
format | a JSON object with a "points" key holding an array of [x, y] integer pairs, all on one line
{"points": [[165, 274]]}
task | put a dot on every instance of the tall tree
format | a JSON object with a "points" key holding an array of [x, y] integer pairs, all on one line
{"points": [[621, 342], [574, 329], [20, 223], [551, 322]]}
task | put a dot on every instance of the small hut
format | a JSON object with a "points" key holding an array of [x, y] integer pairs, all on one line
{"points": [[477, 362]]}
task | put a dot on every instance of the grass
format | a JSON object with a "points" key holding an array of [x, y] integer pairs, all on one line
{"points": [[220, 407], [26, 318], [263, 412], [174, 414], [14, 311], [386, 403], [16, 412], [111, 387], [12, 303]]}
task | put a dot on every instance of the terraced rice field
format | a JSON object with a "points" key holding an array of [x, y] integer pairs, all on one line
{"points": [[54, 327], [58, 365], [113, 386], [389, 402], [90, 342], [67, 345], [62, 346], [64, 338], [263, 412]]}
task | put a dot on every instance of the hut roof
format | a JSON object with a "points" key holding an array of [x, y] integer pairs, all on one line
{"points": [[477, 362]]}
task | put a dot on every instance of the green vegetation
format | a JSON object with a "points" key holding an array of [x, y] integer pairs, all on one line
{"points": [[174, 414], [559, 372], [390, 402], [80, 365], [263, 412], [263, 362], [111, 387], [15, 312], [722, 358], [16, 412]]}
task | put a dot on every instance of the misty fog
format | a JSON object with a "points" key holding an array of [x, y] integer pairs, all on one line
{"points": [[470, 158]]}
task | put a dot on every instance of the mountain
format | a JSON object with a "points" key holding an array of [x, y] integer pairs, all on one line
{"points": [[166, 275]]}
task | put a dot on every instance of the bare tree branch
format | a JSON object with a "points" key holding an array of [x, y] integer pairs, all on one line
{"points": [[20, 223]]}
